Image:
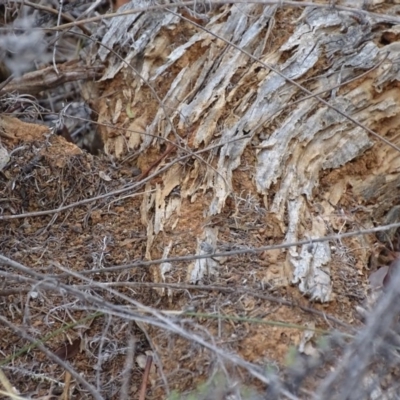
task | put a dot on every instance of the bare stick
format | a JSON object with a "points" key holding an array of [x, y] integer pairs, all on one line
{"points": [[47, 78], [142, 395]]}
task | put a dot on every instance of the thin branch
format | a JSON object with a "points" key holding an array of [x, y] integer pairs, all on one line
{"points": [[140, 263], [224, 289], [179, 286], [146, 373], [61, 4]]}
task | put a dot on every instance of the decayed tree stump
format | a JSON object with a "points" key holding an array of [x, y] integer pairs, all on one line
{"points": [[280, 165]]}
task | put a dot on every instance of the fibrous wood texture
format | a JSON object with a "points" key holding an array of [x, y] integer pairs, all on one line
{"points": [[280, 165]]}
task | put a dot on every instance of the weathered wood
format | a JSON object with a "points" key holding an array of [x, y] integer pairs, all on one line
{"points": [[277, 159]]}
